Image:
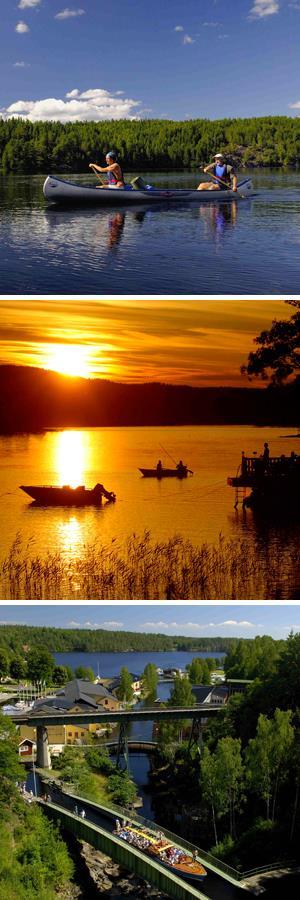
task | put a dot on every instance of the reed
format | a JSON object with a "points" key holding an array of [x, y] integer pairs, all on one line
{"points": [[142, 569]]}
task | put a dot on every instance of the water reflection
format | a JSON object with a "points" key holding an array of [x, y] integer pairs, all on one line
{"points": [[232, 248], [70, 534], [218, 218], [71, 457]]}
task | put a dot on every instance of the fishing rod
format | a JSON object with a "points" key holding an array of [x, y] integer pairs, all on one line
{"points": [[173, 460], [168, 454]]}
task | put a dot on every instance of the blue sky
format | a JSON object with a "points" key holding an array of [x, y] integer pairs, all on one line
{"points": [[207, 58], [201, 621]]}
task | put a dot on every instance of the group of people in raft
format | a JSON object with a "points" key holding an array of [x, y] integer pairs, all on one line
{"points": [[223, 173]]}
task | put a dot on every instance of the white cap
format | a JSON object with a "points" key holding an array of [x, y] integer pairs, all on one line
{"points": [[217, 155]]}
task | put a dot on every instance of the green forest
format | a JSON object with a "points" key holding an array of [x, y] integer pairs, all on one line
{"points": [[34, 861], [15, 638], [242, 792], [29, 147]]}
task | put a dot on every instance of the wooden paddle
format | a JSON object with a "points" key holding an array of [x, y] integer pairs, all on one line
{"points": [[228, 186], [101, 178]]}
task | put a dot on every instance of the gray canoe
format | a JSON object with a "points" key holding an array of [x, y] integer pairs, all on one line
{"points": [[59, 191]]}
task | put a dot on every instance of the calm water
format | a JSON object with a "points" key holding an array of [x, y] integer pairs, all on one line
{"points": [[248, 247], [199, 508], [109, 665]]}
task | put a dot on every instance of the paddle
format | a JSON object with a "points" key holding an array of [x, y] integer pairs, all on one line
{"points": [[103, 181], [228, 186]]}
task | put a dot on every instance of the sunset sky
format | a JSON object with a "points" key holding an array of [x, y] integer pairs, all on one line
{"points": [[199, 342]]}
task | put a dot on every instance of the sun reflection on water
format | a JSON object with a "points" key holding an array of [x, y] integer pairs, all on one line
{"points": [[72, 452], [70, 534]]}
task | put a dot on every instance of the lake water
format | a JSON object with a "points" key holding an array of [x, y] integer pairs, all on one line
{"points": [[248, 247], [199, 508]]}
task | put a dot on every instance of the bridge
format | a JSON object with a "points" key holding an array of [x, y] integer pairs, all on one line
{"points": [[222, 881], [122, 717]]}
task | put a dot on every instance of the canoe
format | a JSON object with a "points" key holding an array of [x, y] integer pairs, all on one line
{"points": [[166, 473], [68, 496], [163, 851], [59, 191]]}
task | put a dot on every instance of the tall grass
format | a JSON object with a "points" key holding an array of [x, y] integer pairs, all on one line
{"points": [[142, 569]]}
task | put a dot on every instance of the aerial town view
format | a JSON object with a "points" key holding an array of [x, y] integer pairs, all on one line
{"points": [[163, 758]]}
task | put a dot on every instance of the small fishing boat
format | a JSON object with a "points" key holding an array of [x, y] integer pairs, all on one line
{"points": [[68, 496], [59, 191], [166, 853], [160, 472]]}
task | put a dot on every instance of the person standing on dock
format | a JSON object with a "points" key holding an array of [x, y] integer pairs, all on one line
{"points": [[266, 455]]}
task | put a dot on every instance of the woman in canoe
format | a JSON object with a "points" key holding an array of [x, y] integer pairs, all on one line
{"points": [[115, 177], [225, 177]]}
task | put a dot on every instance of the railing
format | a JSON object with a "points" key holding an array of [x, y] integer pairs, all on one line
{"points": [[272, 867], [217, 865], [127, 814], [254, 465]]}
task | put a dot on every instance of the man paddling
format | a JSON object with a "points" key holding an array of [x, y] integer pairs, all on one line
{"points": [[115, 177], [223, 174]]}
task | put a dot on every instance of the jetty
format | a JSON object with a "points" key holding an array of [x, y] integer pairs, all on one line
{"points": [[273, 482]]}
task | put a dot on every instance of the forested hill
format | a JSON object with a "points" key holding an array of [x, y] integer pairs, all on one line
{"points": [[147, 144], [64, 640], [34, 399]]}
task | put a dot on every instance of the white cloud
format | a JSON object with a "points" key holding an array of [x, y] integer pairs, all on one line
{"points": [[188, 39], [179, 28], [222, 36], [113, 624], [21, 64], [155, 625], [22, 28], [263, 8], [93, 105], [295, 105], [69, 13], [211, 24], [233, 622], [28, 4]]}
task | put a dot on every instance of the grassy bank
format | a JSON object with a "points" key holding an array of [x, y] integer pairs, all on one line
{"points": [[141, 569]]}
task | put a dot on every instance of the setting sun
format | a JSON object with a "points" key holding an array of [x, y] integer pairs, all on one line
{"points": [[69, 359]]}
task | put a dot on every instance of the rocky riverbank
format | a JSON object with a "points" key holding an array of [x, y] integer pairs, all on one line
{"points": [[111, 880]]}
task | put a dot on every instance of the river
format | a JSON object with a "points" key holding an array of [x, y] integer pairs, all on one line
{"points": [[199, 507], [247, 247], [109, 665]]}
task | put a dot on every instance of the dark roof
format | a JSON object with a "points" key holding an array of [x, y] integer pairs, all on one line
{"points": [[78, 688], [78, 692], [201, 692]]}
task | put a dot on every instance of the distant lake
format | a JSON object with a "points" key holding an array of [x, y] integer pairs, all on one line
{"points": [[109, 664], [248, 247], [199, 508]]}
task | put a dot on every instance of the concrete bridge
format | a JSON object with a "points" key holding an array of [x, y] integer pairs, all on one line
{"points": [[221, 882], [197, 714]]}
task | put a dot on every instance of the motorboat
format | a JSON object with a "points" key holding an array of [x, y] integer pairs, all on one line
{"points": [[49, 495]]}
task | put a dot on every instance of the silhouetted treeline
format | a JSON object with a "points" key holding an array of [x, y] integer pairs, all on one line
{"points": [[146, 144], [34, 399], [64, 640]]}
